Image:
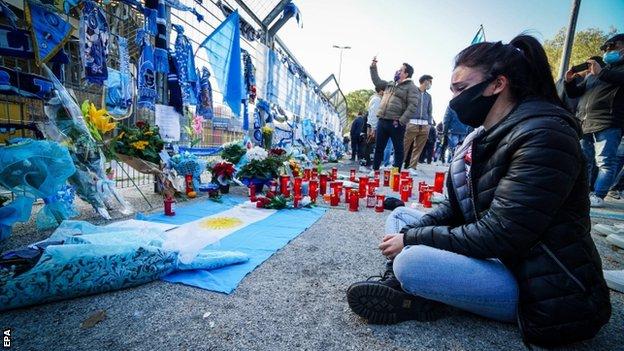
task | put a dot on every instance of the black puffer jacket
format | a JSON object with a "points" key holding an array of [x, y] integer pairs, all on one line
{"points": [[530, 209]]}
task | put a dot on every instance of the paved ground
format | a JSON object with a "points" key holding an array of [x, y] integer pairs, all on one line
{"points": [[294, 301]]}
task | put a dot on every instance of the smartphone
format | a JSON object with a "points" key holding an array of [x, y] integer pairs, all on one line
{"points": [[580, 68]]}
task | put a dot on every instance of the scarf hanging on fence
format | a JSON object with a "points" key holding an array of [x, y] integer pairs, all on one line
{"points": [[274, 77], [94, 34], [176, 4], [116, 103], [49, 31], [224, 54], [161, 55], [18, 43], [24, 84], [173, 85], [147, 77], [150, 21], [204, 105], [250, 77], [127, 88], [6, 12], [185, 63]]}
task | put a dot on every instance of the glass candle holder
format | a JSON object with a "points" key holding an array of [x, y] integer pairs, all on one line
{"points": [[438, 184], [379, 206]]}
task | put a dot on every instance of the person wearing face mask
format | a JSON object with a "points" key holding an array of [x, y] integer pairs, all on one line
{"points": [[601, 110], [398, 103], [512, 241], [417, 131]]}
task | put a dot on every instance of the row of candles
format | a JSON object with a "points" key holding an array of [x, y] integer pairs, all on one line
{"points": [[313, 184]]}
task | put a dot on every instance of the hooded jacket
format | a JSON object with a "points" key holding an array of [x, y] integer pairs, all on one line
{"points": [[526, 203]]}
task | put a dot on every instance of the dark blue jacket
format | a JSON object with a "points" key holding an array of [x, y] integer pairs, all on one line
{"points": [[453, 125], [357, 127]]}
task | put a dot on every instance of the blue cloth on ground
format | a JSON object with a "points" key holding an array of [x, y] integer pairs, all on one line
{"points": [[258, 240]]}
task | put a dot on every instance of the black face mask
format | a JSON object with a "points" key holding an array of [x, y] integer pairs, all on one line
{"points": [[471, 106]]}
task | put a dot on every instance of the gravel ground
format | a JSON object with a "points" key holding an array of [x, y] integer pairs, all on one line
{"points": [[295, 300]]}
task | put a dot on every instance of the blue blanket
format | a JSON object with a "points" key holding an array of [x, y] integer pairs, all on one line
{"points": [[259, 241]]}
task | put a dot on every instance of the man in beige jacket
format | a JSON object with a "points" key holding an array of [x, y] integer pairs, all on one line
{"points": [[417, 130]]}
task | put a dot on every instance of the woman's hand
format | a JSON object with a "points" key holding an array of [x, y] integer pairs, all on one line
{"points": [[391, 245]]}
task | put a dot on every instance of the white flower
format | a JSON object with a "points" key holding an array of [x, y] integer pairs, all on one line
{"points": [[257, 153], [305, 201]]}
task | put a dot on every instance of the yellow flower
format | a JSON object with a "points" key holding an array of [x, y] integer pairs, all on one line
{"points": [[100, 119], [139, 145], [267, 130], [148, 133], [121, 135]]}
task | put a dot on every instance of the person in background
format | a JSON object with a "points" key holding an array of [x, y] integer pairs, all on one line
{"points": [[399, 102], [345, 142], [440, 147], [373, 109], [357, 126], [454, 132], [417, 131], [601, 111], [427, 155], [512, 242]]}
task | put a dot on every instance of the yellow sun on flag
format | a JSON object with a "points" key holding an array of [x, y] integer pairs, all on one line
{"points": [[220, 223]]}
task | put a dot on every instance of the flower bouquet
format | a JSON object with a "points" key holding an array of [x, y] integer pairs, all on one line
{"points": [[267, 136], [141, 141], [194, 129], [260, 168], [233, 152], [222, 174]]}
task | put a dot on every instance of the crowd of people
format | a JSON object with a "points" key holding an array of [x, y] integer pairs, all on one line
{"points": [[526, 161]]}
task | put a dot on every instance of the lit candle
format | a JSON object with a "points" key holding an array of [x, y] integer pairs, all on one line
{"points": [[284, 180], [335, 199], [379, 207], [323, 184], [404, 190], [306, 174], [352, 175], [347, 193], [396, 178], [334, 173], [386, 180], [313, 190], [404, 174], [297, 187], [370, 201], [363, 184], [438, 184], [376, 177], [427, 199], [354, 200], [371, 187]]}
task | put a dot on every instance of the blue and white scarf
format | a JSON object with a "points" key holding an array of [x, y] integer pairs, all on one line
{"points": [[94, 34], [204, 105], [185, 63], [147, 77]]}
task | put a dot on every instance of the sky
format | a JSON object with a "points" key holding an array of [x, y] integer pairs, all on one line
{"points": [[426, 34]]}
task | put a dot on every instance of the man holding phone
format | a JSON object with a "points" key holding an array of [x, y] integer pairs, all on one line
{"points": [[601, 110], [399, 102]]}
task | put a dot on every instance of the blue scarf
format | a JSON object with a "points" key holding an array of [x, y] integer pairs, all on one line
{"points": [[204, 105], [49, 31], [24, 84], [94, 36], [185, 64], [146, 78]]}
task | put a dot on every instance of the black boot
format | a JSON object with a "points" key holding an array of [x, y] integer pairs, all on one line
{"points": [[384, 302]]}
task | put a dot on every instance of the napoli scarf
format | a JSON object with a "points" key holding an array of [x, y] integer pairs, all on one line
{"points": [[94, 35], [146, 78], [185, 64], [204, 106]]}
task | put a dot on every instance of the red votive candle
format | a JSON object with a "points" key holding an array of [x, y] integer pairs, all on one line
{"points": [[404, 174], [370, 201], [252, 192], [404, 190], [335, 199], [411, 186], [188, 182], [396, 182], [284, 180], [386, 180], [307, 173], [347, 193], [338, 188], [354, 200], [334, 173], [438, 184], [297, 186], [273, 186], [352, 175], [379, 207], [371, 187], [313, 190], [376, 177], [362, 188], [323, 184], [314, 173], [427, 199]]}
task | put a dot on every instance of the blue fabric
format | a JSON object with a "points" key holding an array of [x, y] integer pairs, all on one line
{"points": [[185, 63], [224, 54], [484, 287], [49, 31], [273, 77], [204, 98], [452, 124], [602, 146], [94, 36], [259, 241], [146, 78]]}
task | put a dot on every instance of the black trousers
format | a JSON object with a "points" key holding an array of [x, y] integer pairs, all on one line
{"points": [[393, 130], [355, 147]]}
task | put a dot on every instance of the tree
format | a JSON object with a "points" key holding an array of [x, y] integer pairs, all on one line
{"points": [[357, 101], [586, 44]]}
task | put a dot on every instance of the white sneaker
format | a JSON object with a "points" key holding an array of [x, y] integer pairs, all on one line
{"points": [[615, 280], [604, 229], [595, 201], [616, 240], [614, 194]]}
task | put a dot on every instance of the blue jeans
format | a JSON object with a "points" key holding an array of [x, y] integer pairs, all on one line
{"points": [[618, 182], [602, 146], [482, 286], [387, 152]]}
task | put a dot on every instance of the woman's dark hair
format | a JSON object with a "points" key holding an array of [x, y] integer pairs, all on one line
{"points": [[523, 61]]}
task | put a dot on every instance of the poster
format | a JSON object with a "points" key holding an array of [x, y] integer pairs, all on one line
{"points": [[168, 121]]}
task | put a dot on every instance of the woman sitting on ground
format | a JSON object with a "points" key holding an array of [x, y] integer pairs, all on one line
{"points": [[512, 242]]}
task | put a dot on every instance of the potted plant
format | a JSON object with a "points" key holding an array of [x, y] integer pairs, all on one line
{"points": [[222, 174], [261, 167]]}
